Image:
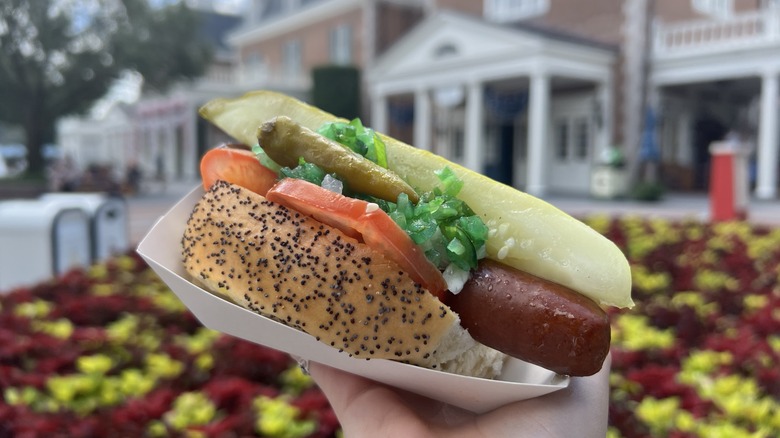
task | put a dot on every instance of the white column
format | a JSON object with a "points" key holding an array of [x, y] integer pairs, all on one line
{"points": [[766, 183], [169, 149], [606, 107], [379, 113], [422, 119], [473, 141], [191, 143], [538, 116], [154, 146]]}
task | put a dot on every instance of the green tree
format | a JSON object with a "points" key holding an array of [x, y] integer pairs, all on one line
{"points": [[58, 57]]}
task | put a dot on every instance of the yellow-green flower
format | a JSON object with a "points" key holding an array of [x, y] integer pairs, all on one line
{"points": [[190, 409], [279, 419], [162, 365], [658, 414], [295, 380], [634, 332], [95, 364], [34, 309], [62, 328]]}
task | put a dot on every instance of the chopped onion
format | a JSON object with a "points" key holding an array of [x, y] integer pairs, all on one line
{"points": [[332, 184], [455, 278]]}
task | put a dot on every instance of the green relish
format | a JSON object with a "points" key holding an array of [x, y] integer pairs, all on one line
{"points": [[358, 138], [449, 232], [443, 225]]}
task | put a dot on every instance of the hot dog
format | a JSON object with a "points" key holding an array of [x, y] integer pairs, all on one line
{"points": [[566, 330]]}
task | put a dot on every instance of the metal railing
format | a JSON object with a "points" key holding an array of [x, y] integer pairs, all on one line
{"points": [[254, 77], [501, 11], [751, 29]]}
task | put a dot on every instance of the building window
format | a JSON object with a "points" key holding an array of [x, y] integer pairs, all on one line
{"points": [[715, 8], [562, 139], [582, 139], [254, 64], [501, 11], [458, 145], [341, 44], [292, 58]]}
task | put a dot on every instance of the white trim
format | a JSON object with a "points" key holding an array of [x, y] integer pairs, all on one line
{"points": [[766, 184], [714, 8], [300, 19], [488, 71], [712, 67], [502, 11], [520, 52]]}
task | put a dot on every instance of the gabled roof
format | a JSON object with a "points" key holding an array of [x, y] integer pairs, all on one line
{"points": [[451, 43]]}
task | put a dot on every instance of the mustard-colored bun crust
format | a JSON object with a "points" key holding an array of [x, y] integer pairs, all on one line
{"points": [[310, 276]]}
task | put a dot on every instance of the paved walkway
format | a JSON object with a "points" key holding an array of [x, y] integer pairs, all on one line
{"points": [[672, 206], [144, 210]]}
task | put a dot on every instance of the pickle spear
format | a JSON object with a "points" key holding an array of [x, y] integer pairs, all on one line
{"points": [[285, 141]]}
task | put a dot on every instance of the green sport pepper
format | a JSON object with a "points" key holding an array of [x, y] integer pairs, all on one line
{"points": [[285, 141]]}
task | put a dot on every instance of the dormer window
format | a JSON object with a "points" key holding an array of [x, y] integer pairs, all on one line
{"points": [[714, 8], [502, 11]]}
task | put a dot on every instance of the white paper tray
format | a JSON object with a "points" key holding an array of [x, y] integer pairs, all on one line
{"points": [[161, 248]]}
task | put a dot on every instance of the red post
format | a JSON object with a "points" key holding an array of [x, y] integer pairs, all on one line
{"points": [[727, 200]]}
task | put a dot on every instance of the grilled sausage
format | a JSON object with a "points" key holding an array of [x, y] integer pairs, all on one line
{"points": [[533, 319]]}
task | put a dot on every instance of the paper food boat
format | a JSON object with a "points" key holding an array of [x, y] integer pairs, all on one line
{"points": [[161, 248]]}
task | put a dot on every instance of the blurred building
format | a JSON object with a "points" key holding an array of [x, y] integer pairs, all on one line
{"points": [[714, 70], [161, 136], [531, 92], [521, 91]]}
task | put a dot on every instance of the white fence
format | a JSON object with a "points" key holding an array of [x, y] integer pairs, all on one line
{"points": [[753, 29]]}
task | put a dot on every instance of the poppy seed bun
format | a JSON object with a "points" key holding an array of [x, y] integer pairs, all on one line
{"points": [[312, 277]]}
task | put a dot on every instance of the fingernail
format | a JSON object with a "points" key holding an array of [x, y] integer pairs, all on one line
{"points": [[303, 363]]}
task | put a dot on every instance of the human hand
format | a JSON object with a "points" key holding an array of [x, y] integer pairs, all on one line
{"points": [[368, 408]]}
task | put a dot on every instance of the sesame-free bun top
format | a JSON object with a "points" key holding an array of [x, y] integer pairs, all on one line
{"points": [[310, 276]]}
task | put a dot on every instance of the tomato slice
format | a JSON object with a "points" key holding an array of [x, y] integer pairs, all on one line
{"points": [[363, 220], [236, 166]]}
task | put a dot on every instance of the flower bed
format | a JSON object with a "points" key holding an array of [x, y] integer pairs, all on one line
{"points": [[699, 356], [112, 352]]}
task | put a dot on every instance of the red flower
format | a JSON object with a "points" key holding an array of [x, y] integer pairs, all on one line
{"points": [[234, 394], [141, 410]]}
